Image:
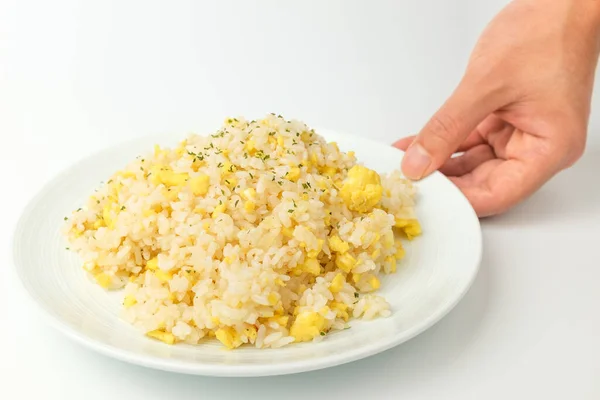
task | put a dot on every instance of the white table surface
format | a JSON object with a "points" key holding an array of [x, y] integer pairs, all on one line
{"points": [[75, 76]]}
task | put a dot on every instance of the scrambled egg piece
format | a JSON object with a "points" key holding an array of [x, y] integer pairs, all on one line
{"points": [[361, 190], [293, 174], [338, 245], [103, 280], [307, 326], [410, 227], [345, 262], [199, 185], [337, 283], [152, 264], [229, 337], [163, 336], [166, 176], [129, 301]]}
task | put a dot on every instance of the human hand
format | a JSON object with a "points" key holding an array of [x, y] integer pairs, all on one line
{"points": [[520, 113]]}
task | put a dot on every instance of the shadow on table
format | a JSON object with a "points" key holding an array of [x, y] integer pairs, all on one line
{"points": [[571, 195]]}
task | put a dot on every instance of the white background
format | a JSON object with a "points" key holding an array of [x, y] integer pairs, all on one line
{"points": [[77, 76]]}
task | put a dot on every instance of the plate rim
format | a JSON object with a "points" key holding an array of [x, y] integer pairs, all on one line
{"points": [[232, 370]]}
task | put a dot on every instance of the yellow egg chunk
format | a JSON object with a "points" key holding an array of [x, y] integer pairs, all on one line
{"points": [[166, 176], [345, 262], [161, 335], [361, 190], [375, 283], [129, 301], [163, 276], [272, 298], [199, 185], [106, 216], [152, 264], [410, 227], [338, 245], [249, 206], [340, 310], [228, 337], [329, 171], [103, 280], [312, 266], [220, 209], [293, 174], [251, 333], [337, 283], [307, 326]]}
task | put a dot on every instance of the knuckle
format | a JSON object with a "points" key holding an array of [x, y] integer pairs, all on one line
{"points": [[443, 128]]}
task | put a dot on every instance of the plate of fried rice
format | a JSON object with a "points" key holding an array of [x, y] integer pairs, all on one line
{"points": [[260, 247]]}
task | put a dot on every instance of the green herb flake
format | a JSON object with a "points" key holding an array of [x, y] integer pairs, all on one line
{"points": [[290, 211], [123, 208], [356, 295], [322, 333], [66, 218], [236, 202]]}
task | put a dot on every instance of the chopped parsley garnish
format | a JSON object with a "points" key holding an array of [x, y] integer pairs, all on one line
{"points": [[290, 211], [219, 165], [66, 218], [123, 208], [251, 176], [356, 295], [322, 333], [236, 202]]}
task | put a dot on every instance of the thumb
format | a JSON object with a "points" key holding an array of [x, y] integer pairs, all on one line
{"points": [[447, 129]]}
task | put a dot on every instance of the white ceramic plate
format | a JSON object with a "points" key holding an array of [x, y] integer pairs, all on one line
{"points": [[437, 271]]}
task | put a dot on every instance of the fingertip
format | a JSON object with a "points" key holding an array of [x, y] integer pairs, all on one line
{"points": [[416, 162], [404, 143]]}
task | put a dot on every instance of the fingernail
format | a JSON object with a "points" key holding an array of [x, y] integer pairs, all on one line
{"points": [[416, 162]]}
